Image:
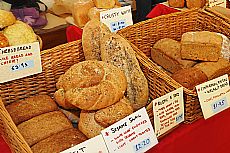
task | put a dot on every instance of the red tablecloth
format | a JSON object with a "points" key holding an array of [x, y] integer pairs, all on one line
{"points": [[203, 136]]}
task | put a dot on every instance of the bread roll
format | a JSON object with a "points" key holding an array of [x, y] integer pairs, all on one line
{"points": [[7, 19], [117, 51], [110, 115], [195, 3], [94, 13], [91, 85], [3, 41], [166, 53], [43, 126], [59, 141], [30, 107], [92, 34], [88, 125], [176, 3], [106, 4], [201, 45]]}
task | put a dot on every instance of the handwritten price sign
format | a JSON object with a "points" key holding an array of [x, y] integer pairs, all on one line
{"points": [[22, 66], [214, 96], [131, 134], [221, 3]]}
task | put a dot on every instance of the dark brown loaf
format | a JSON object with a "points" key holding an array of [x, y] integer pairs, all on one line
{"points": [[59, 141], [176, 3], [43, 126], [190, 77], [117, 51], [30, 107]]}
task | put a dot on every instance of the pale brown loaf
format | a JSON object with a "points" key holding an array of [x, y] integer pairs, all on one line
{"points": [[91, 85], [176, 3], [166, 53], [43, 126], [117, 51], [7, 18], [59, 142], [201, 45], [30, 107], [92, 34], [195, 3], [214, 69], [94, 13], [88, 125], [190, 77], [107, 4], [114, 113]]}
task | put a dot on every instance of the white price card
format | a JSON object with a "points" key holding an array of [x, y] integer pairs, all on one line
{"points": [[168, 111], [117, 18], [93, 145], [19, 61], [221, 3], [131, 134], [214, 95]]}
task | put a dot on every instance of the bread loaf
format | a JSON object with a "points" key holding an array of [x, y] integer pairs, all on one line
{"points": [[7, 18], [111, 114], [80, 12], [43, 126], [176, 3], [106, 4], [94, 13], [59, 142], [30, 107], [3, 41], [195, 3], [201, 45], [214, 69], [92, 34], [88, 125], [190, 77], [117, 51], [91, 85], [166, 53]]}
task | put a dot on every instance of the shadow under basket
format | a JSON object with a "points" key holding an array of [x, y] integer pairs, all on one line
{"points": [[55, 62], [144, 35]]}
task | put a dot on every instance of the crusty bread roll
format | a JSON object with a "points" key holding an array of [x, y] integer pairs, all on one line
{"points": [[176, 3], [106, 4], [94, 13], [91, 85], [59, 141], [110, 115], [92, 34], [3, 41], [117, 51], [195, 3], [6, 18], [88, 125], [43, 126], [30, 107]]}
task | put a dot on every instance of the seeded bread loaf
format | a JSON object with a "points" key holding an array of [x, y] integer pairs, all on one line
{"points": [[166, 53], [176, 3], [59, 142], [43, 126], [30, 107], [117, 51], [190, 77], [201, 45]]}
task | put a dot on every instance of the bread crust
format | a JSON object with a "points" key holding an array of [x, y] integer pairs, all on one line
{"points": [[7, 18]]}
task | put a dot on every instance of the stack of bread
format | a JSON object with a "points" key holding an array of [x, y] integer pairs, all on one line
{"points": [[14, 32], [83, 10], [199, 57], [187, 3], [108, 86]]}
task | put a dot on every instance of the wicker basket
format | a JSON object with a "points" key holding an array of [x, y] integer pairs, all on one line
{"points": [[55, 62], [144, 34]]}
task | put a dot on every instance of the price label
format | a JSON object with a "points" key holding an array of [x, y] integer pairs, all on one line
{"points": [[19, 61], [221, 3], [168, 111], [117, 18], [214, 95], [131, 134], [93, 145]]}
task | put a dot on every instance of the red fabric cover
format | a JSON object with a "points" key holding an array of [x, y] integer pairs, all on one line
{"points": [[161, 9], [203, 136], [73, 33]]}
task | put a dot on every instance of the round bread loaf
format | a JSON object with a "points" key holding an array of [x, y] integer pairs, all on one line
{"points": [[3, 40], [7, 18], [91, 85]]}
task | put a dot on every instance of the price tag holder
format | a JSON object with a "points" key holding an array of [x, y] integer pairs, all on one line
{"points": [[221, 3], [131, 134], [19, 61], [168, 111], [214, 95], [117, 18], [93, 145]]}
